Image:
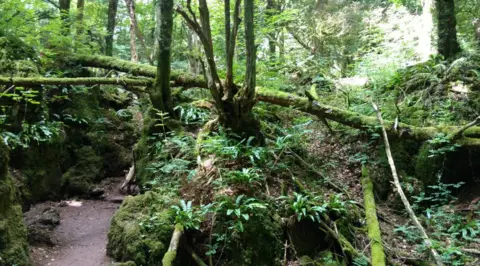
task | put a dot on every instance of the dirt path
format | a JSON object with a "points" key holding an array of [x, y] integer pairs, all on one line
{"points": [[81, 237]]}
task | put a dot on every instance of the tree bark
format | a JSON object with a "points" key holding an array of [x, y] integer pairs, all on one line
{"points": [[111, 21], [271, 11], [448, 45], [79, 22], [133, 37], [160, 93], [64, 6], [136, 30]]}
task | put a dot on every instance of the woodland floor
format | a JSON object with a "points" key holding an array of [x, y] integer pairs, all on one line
{"points": [[81, 237]]}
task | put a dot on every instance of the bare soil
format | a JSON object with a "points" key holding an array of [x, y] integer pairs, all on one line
{"points": [[81, 237]]}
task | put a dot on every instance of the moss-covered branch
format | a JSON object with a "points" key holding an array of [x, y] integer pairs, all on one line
{"points": [[374, 233], [36, 81], [360, 121], [171, 254], [341, 116], [106, 62]]}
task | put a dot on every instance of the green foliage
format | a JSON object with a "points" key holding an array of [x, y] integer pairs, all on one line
{"points": [[39, 132], [240, 210], [192, 115], [190, 216], [313, 208], [227, 145], [247, 176], [449, 230], [441, 145]]}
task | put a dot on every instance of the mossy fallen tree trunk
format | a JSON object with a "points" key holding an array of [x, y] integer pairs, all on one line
{"points": [[374, 233], [17, 81], [180, 79], [171, 254], [470, 137]]}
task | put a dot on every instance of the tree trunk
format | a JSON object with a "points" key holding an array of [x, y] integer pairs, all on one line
{"points": [[136, 31], [65, 16], [448, 45], [271, 10], [112, 14], [133, 38], [194, 64], [79, 22], [160, 93], [244, 99]]}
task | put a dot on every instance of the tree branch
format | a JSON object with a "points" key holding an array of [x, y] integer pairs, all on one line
{"points": [[399, 188], [470, 136]]}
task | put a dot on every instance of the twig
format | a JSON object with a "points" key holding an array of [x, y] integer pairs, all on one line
{"points": [[396, 180], [285, 253]]}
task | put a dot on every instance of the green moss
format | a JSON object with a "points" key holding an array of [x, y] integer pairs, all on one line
{"points": [[13, 233], [378, 255], [260, 244], [134, 236], [41, 171], [169, 257], [88, 169], [427, 167]]}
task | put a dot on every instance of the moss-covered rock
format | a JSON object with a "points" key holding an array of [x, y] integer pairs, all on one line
{"points": [[88, 169], [141, 229], [13, 233]]}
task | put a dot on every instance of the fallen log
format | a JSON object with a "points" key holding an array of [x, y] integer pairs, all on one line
{"points": [[373, 227], [35, 81], [469, 137], [180, 79], [171, 254]]}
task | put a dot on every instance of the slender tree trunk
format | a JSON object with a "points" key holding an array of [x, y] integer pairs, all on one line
{"points": [[281, 45], [194, 61], [244, 100], [135, 31], [271, 10], [79, 22], [112, 14], [447, 33], [160, 94], [64, 6], [133, 37]]}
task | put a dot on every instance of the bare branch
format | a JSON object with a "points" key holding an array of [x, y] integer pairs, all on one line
{"points": [[396, 180]]}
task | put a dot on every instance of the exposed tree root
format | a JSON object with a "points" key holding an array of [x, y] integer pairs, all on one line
{"points": [[374, 233]]}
